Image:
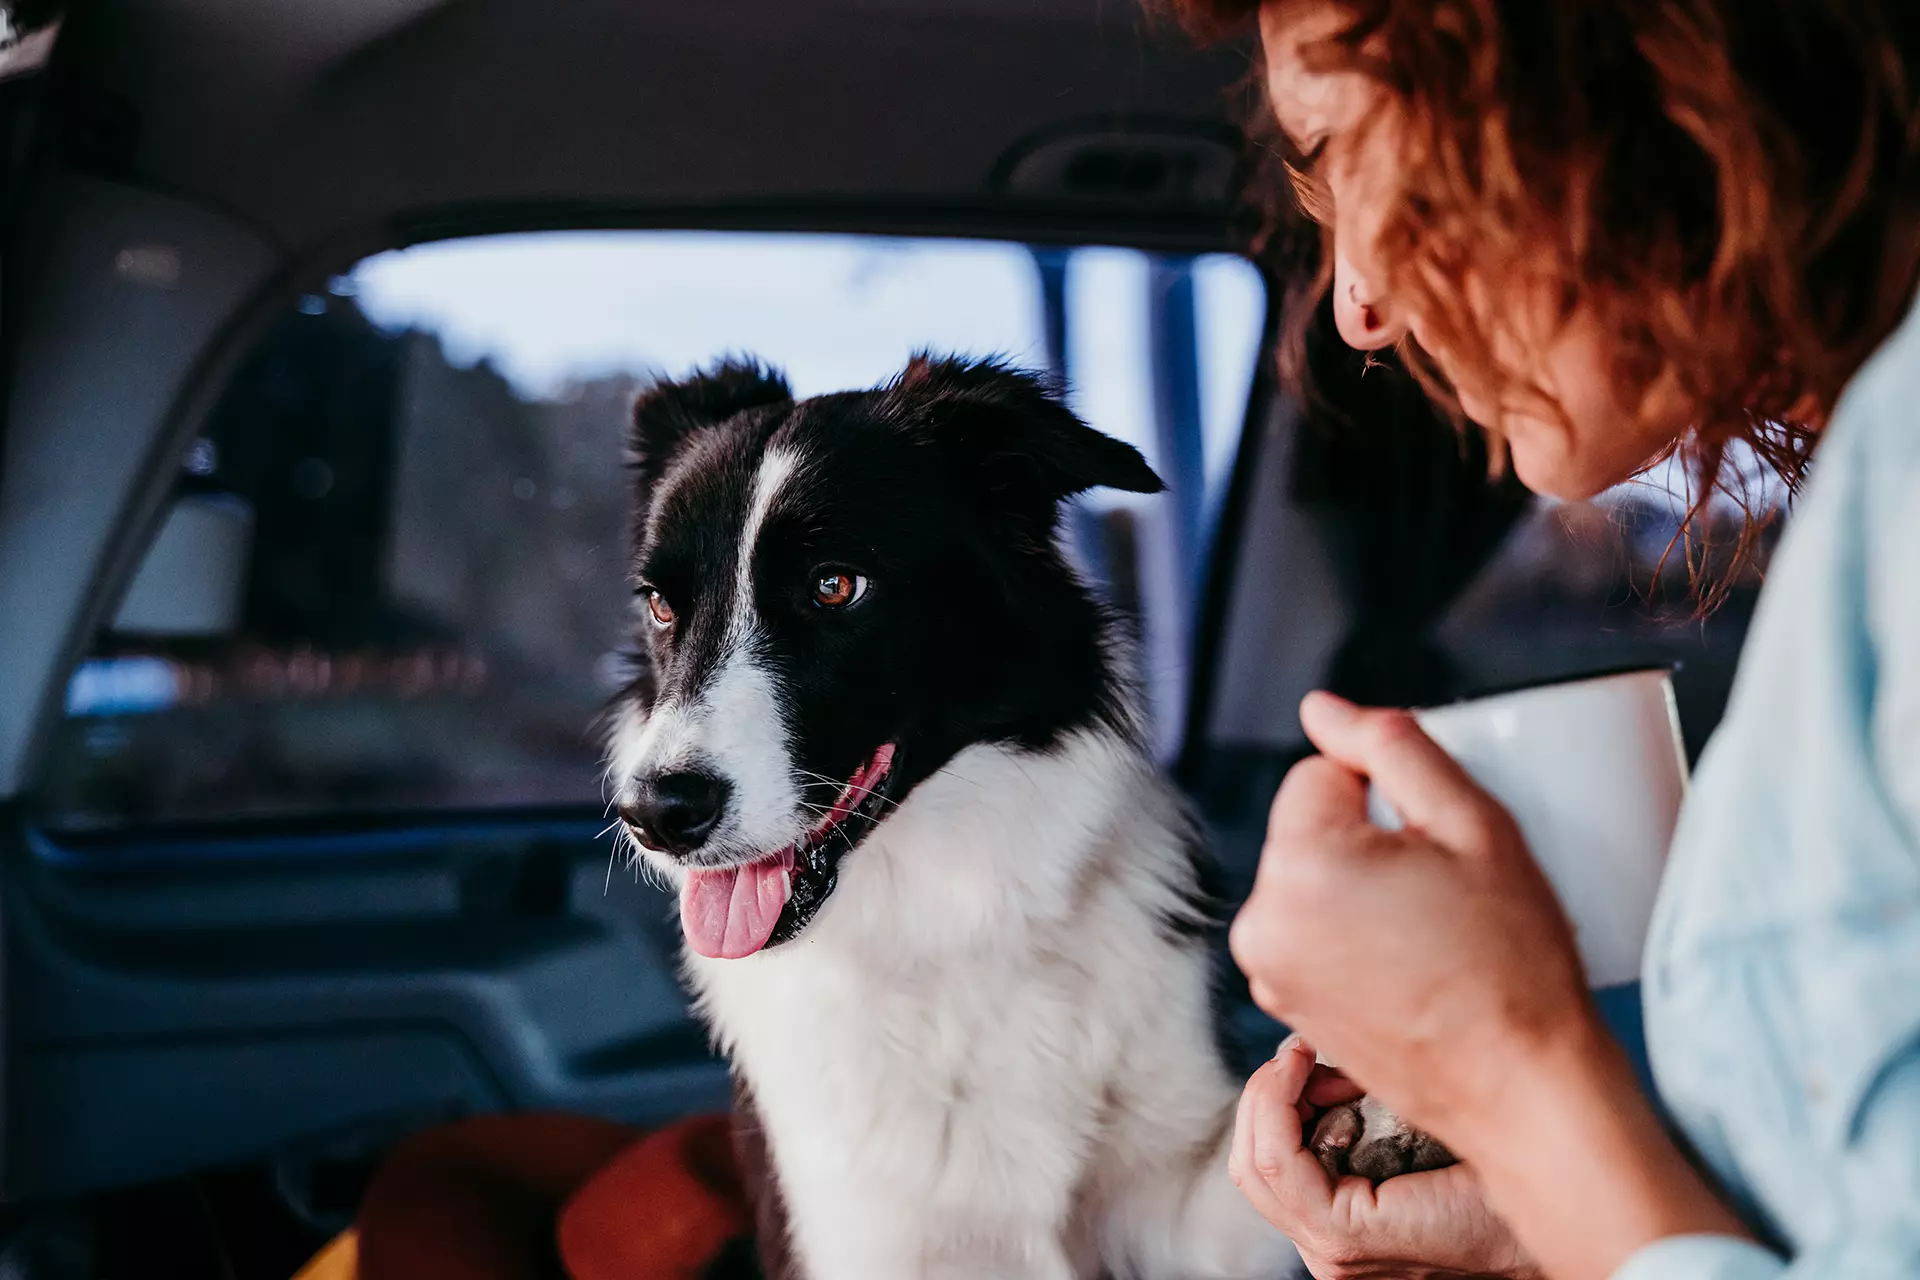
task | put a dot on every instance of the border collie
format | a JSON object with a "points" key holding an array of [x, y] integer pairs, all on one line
{"points": [[940, 908]]}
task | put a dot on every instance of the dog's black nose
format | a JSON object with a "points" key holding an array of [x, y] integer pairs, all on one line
{"points": [[676, 812]]}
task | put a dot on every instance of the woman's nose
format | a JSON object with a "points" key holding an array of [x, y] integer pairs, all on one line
{"points": [[1358, 313]]}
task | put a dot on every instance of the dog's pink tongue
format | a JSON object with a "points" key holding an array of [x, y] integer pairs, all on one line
{"points": [[729, 914]]}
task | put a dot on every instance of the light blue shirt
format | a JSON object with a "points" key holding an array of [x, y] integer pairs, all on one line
{"points": [[1782, 986]]}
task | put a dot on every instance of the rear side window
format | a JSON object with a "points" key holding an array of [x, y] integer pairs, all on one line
{"points": [[392, 577]]}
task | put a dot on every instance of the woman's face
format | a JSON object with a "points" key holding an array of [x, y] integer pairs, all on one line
{"points": [[1594, 441]]}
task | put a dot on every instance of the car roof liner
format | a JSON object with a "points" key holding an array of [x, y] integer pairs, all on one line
{"points": [[317, 120], [1170, 163]]}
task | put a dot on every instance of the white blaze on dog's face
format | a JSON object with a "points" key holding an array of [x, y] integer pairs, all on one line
{"points": [[726, 725], [835, 596]]}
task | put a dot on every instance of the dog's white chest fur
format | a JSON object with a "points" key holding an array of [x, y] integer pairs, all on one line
{"points": [[989, 1055]]}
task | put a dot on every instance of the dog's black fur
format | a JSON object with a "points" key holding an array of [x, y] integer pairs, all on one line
{"points": [[945, 493]]}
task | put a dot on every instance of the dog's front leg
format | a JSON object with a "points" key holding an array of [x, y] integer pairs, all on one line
{"points": [[916, 1184], [1189, 1222], [869, 1234]]}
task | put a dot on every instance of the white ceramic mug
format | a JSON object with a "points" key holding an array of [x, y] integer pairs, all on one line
{"points": [[1594, 771]]}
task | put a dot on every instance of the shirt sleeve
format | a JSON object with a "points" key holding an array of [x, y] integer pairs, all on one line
{"points": [[1870, 1231], [1892, 1256], [1874, 1234], [1701, 1258], [1893, 587]]}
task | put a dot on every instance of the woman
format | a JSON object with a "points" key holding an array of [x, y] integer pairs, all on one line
{"points": [[1607, 231]]}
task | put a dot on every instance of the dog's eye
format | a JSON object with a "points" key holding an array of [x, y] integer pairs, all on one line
{"points": [[662, 612], [838, 588]]}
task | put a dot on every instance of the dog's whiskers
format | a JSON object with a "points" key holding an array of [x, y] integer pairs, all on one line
{"points": [[822, 780], [859, 798], [864, 793]]}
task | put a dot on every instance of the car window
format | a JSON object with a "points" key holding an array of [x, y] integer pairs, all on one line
{"points": [[1389, 558], [391, 578], [1636, 577]]}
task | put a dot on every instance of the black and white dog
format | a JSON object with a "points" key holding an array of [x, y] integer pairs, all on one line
{"points": [[940, 907]]}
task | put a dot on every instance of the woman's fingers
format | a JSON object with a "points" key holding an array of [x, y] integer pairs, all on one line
{"points": [[1425, 784], [1349, 1227], [1317, 794], [1328, 1088], [1265, 997], [1270, 1162], [1240, 1161]]}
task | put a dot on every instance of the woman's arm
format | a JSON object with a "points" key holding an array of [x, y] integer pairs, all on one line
{"points": [[1876, 1168], [1575, 1158]]}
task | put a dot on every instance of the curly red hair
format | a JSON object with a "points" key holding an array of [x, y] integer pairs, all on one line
{"points": [[1732, 186]]}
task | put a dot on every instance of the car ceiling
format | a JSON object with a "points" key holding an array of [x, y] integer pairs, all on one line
{"points": [[315, 118]]}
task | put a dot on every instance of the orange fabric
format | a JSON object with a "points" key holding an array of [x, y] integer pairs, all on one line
{"points": [[663, 1209], [547, 1197], [340, 1260], [477, 1199]]}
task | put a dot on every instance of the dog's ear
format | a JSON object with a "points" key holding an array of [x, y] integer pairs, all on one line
{"points": [[1015, 431], [668, 412]]}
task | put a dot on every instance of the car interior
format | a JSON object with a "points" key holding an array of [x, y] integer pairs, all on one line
{"points": [[321, 322]]}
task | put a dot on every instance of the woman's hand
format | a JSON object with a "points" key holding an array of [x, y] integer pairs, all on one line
{"points": [[1432, 963], [1423, 1226], [1435, 966]]}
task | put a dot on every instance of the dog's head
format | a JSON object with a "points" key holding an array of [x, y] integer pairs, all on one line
{"points": [[835, 596]]}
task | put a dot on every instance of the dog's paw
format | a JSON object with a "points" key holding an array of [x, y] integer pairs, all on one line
{"points": [[1334, 1136], [1367, 1140]]}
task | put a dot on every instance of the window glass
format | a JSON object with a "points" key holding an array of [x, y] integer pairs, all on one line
{"points": [[392, 576], [1629, 578]]}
